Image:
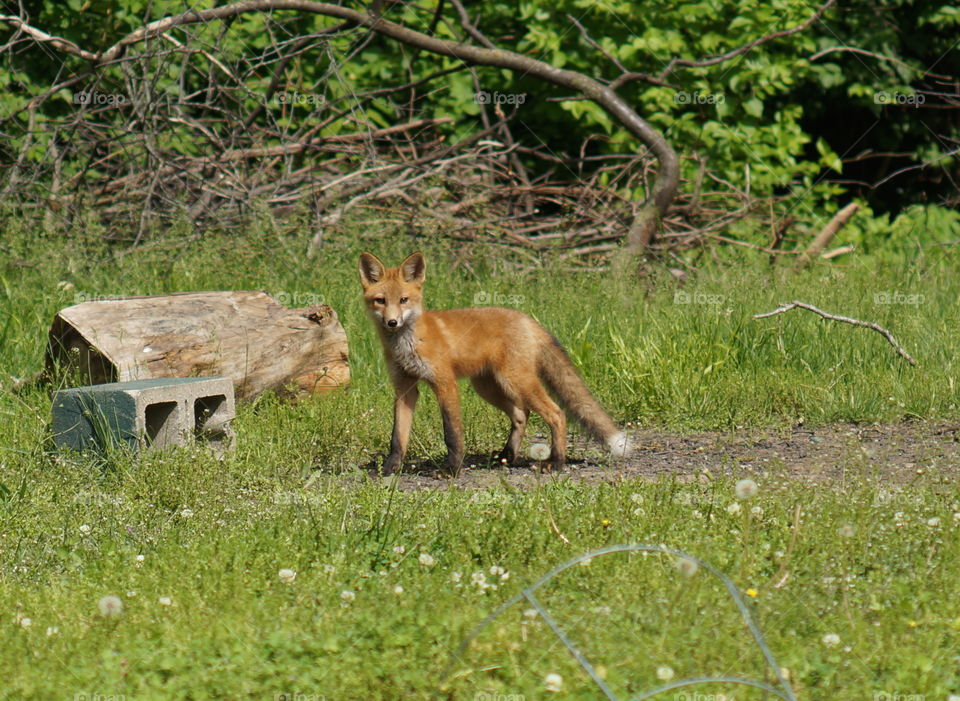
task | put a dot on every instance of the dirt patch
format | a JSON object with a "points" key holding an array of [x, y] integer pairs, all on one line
{"points": [[897, 453]]}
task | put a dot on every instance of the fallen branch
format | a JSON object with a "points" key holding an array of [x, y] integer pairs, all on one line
{"points": [[823, 239], [844, 319]]}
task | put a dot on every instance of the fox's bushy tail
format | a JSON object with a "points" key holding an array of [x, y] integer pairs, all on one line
{"points": [[559, 374]]}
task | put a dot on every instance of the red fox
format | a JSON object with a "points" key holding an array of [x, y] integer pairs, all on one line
{"points": [[507, 355]]}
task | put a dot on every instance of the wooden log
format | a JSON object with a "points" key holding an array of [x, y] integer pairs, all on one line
{"points": [[246, 336]]}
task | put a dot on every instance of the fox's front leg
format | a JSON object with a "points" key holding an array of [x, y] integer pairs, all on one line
{"points": [[403, 406], [449, 399]]}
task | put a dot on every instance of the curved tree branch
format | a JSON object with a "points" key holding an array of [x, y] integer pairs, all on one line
{"points": [[664, 188]]}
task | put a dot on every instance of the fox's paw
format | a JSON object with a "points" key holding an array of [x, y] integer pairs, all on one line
{"points": [[553, 464], [392, 464], [450, 469]]}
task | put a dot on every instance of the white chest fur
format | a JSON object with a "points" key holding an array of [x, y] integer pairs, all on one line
{"points": [[403, 348]]}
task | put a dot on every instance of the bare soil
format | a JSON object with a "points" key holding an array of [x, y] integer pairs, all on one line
{"points": [[896, 453]]}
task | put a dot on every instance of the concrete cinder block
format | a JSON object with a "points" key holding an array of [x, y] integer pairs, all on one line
{"points": [[155, 414]]}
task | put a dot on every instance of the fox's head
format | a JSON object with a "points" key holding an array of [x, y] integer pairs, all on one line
{"points": [[393, 295]]}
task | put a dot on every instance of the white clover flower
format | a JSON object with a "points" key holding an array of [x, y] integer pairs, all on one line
{"points": [[346, 596], [398, 590], [746, 489], [426, 559], [831, 640], [757, 512], [25, 622], [553, 683], [480, 580], [399, 550], [455, 577], [530, 614], [52, 630], [847, 531], [933, 522], [664, 673], [287, 575], [498, 571], [734, 508], [85, 529], [139, 559], [110, 606], [186, 513], [165, 601], [539, 451], [329, 569]]}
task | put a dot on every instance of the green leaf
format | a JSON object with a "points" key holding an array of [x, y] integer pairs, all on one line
{"points": [[753, 107]]}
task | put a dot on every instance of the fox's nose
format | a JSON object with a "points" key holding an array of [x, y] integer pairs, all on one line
{"points": [[392, 323]]}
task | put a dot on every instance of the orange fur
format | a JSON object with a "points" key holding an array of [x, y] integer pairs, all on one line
{"points": [[510, 359]]}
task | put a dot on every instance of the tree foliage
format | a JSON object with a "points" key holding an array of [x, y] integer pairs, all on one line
{"points": [[858, 104]]}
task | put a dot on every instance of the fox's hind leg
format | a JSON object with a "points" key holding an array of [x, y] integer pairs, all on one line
{"points": [[535, 398], [488, 388]]}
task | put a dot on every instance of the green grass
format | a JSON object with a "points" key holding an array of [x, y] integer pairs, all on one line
{"points": [[291, 497]]}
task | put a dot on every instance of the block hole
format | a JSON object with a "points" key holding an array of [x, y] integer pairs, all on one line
{"points": [[161, 420], [211, 422]]}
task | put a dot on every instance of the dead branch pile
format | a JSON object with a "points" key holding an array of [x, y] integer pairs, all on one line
{"points": [[143, 156]]}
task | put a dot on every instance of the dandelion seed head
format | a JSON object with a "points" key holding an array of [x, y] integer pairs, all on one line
{"points": [[687, 566], [553, 683], [746, 489], [110, 605], [664, 673], [539, 451]]}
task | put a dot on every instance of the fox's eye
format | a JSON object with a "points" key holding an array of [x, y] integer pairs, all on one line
{"points": [[380, 300], [404, 300]]}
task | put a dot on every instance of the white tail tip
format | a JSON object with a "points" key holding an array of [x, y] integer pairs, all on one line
{"points": [[620, 445]]}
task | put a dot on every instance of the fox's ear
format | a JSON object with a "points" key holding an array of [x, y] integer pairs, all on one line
{"points": [[414, 268], [371, 269]]}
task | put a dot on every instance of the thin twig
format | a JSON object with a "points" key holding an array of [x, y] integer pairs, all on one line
{"points": [[845, 319]]}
